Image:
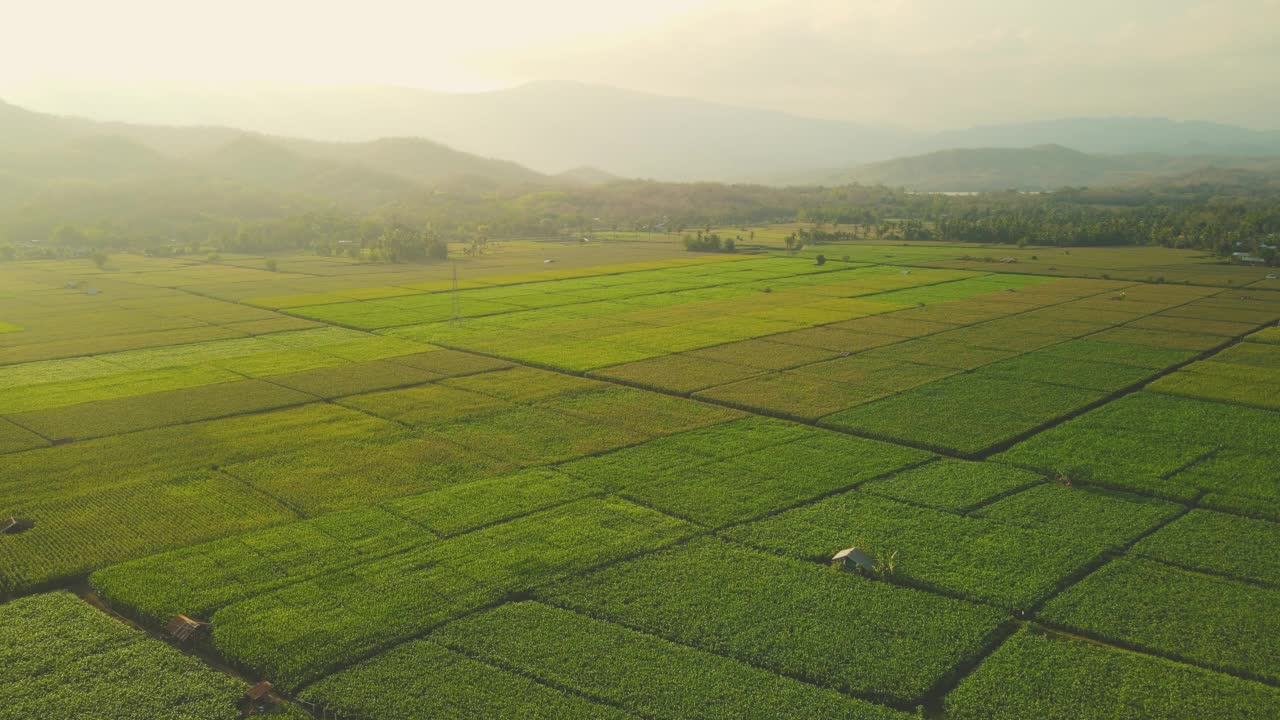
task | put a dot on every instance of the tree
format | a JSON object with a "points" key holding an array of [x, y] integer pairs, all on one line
{"points": [[272, 266], [100, 259], [68, 236]]}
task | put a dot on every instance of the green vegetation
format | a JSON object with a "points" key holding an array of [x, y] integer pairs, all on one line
{"points": [[756, 483], [953, 485], [568, 489], [1041, 676], [964, 414], [645, 674], [1161, 444], [200, 579], [1083, 513], [1202, 619], [1245, 374], [845, 633], [297, 633], [62, 659], [1216, 542], [422, 679], [975, 558]]}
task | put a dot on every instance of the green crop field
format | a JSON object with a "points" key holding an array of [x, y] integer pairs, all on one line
{"points": [[612, 487]]}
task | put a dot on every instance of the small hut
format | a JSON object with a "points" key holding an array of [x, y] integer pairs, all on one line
{"points": [[183, 628], [854, 560], [15, 525]]}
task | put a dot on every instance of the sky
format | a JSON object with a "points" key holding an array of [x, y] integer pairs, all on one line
{"points": [[924, 64]]}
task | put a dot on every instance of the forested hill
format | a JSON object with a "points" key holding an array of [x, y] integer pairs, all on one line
{"points": [[38, 149], [1039, 168]]}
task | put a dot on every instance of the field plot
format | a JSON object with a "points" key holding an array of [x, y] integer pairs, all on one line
{"points": [[1247, 373], [61, 658], [892, 644], [1088, 514], [1201, 619], [657, 678], [133, 378], [954, 485], [1024, 679], [422, 679], [1215, 542], [613, 489], [112, 499], [1165, 445], [756, 483], [975, 558], [344, 475], [297, 633], [173, 407], [199, 579], [965, 414]]}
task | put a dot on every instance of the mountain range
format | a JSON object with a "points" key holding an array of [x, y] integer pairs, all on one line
{"points": [[75, 162], [40, 152], [1037, 168], [551, 126]]}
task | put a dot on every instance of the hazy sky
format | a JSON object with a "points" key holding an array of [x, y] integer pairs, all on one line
{"points": [[919, 63]]}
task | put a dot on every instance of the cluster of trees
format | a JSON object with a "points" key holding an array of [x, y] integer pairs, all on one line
{"points": [[709, 242]]}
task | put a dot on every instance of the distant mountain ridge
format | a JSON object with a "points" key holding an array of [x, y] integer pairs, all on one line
{"points": [[1038, 168], [548, 126], [37, 149], [1117, 136], [551, 126]]}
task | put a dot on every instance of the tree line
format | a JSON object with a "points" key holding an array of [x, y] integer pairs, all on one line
{"points": [[175, 220]]}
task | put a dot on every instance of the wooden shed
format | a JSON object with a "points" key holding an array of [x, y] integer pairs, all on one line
{"points": [[183, 628]]}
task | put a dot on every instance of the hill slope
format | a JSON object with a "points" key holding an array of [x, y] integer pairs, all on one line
{"points": [[549, 126], [1044, 167], [1120, 135], [38, 149]]}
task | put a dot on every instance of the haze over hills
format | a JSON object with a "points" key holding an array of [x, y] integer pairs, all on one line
{"points": [[551, 126], [1117, 135], [1043, 167], [37, 149]]}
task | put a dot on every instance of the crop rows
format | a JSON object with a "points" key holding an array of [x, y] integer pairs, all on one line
{"points": [[1034, 675], [1247, 373], [199, 579], [1216, 622], [644, 674], [954, 485], [763, 481], [115, 498], [1164, 445], [980, 559], [871, 639], [422, 679], [299, 632], [62, 659]]}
